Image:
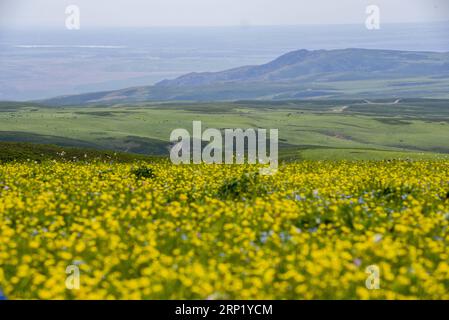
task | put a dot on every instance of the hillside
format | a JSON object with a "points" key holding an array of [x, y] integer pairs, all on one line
{"points": [[24, 152], [336, 74], [314, 129], [323, 65]]}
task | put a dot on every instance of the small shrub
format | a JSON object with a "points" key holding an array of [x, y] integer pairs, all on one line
{"points": [[143, 172], [245, 186]]}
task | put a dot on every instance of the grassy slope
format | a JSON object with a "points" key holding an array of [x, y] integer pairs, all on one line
{"points": [[308, 129], [20, 151]]}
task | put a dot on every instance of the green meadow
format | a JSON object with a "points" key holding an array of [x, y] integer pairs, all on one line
{"points": [[330, 130]]}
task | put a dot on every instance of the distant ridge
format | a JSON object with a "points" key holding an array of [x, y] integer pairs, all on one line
{"points": [[344, 73]]}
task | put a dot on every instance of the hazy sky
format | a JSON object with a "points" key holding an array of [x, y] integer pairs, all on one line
{"points": [[145, 13]]}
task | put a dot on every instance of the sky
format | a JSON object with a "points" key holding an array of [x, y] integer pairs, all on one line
{"points": [[154, 13]]}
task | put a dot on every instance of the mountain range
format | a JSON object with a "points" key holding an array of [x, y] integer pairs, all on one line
{"points": [[302, 74]]}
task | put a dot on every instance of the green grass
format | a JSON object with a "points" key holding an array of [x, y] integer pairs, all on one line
{"points": [[333, 129], [22, 152], [358, 154]]}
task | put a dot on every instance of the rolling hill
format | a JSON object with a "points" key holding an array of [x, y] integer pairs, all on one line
{"points": [[336, 74]]}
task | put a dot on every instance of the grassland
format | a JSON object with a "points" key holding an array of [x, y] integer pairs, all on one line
{"points": [[352, 129], [31, 152]]}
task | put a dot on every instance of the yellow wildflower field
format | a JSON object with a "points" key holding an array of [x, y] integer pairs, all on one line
{"points": [[160, 231]]}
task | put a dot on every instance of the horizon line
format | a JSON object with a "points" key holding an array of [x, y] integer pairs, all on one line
{"points": [[239, 26]]}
